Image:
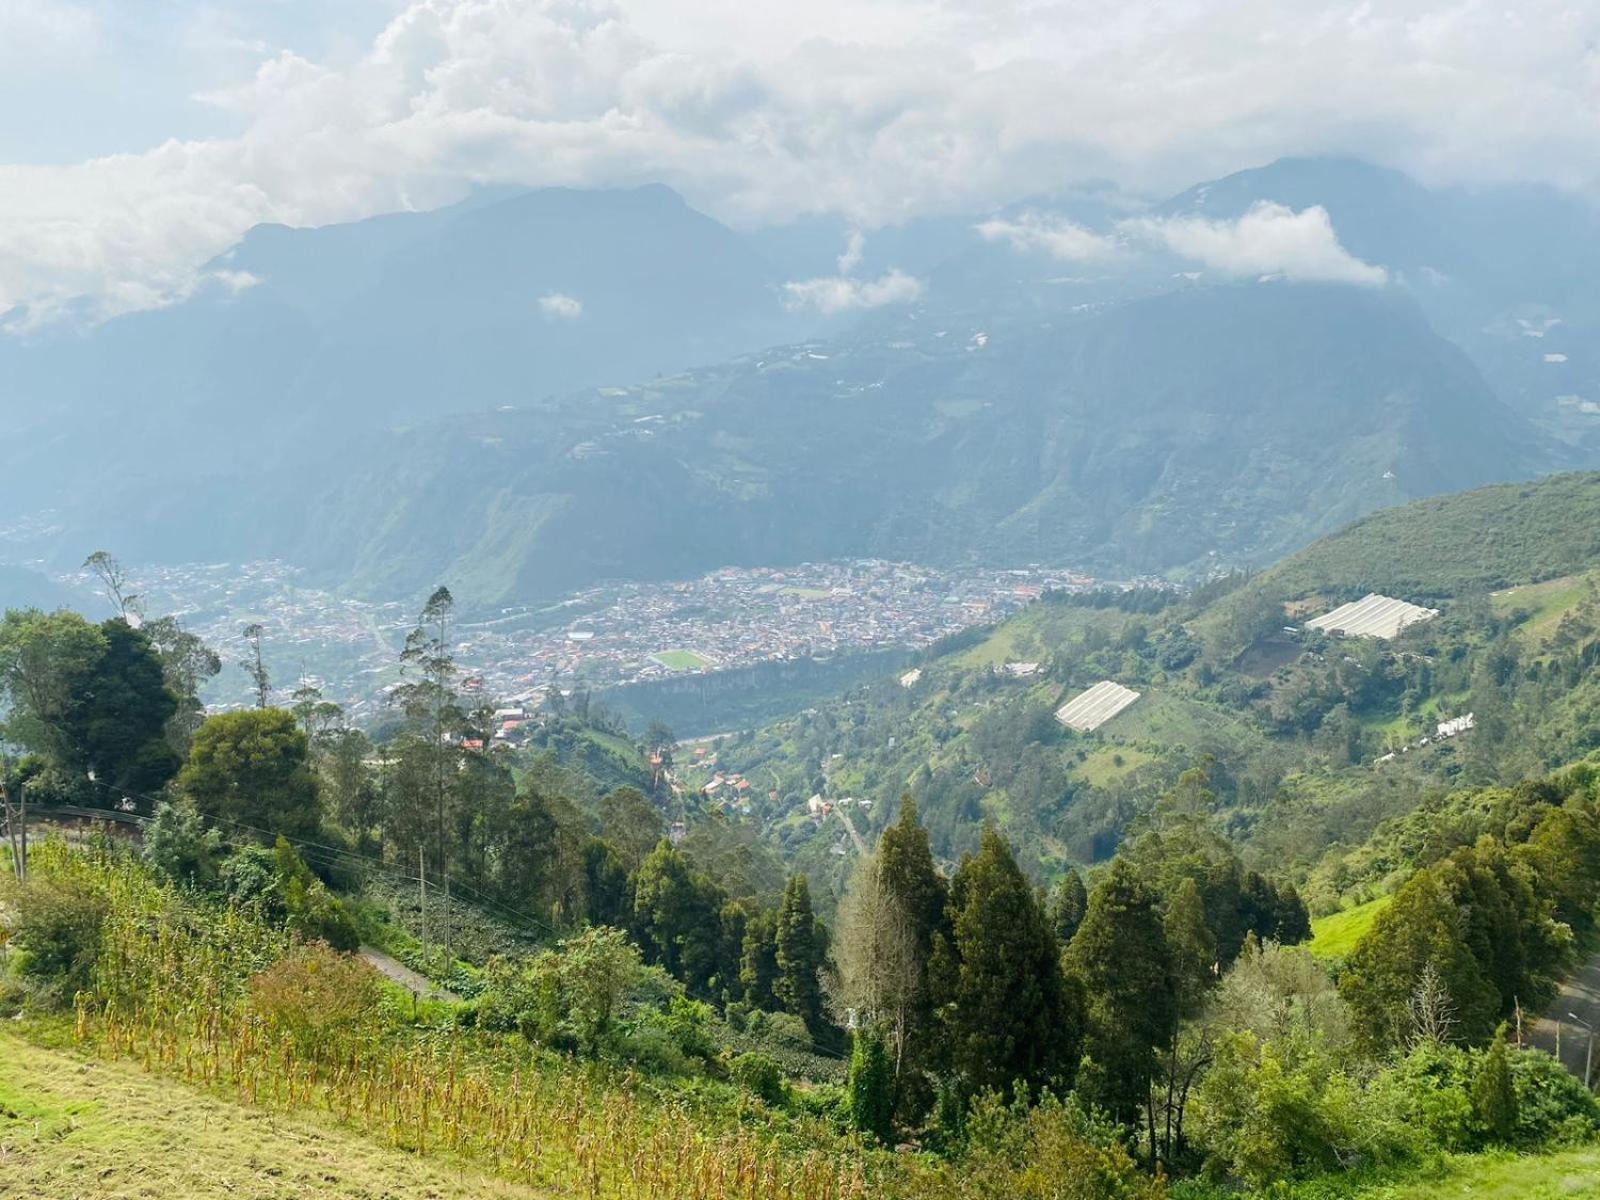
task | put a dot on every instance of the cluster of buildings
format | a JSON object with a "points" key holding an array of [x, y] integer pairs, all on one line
{"points": [[742, 616], [601, 637]]}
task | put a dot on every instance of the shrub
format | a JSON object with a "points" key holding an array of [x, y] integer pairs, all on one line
{"points": [[316, 996], [283, 890], [761, 1074], [1429, 1092], [57, 924], [1553, 1106], [1056, 1150], [1494, 1095], [871, 1085], [786, 1030], [179, 847]]}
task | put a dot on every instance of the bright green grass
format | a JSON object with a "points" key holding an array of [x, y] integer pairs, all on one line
{"points": [[1569, 1175], [1101, 767], [680, 660], [1546, 602], [1333, 937]]}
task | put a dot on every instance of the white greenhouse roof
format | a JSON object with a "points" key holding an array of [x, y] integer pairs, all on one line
{"points": [[1372, 616], [1093, 708]]}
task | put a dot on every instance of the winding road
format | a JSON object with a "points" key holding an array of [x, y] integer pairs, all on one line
{"points": [[1563, 1025]]}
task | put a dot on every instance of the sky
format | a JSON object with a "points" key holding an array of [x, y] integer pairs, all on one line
{"points": [[144, 139]]}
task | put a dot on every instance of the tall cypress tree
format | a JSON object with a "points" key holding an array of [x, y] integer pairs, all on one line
{"points": [[799, 955], [758, 964], [1120, 956], [905, 867], [1069, 900], [1012, 1020]]}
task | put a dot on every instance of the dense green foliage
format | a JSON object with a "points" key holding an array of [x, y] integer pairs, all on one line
{"points": [[1456, 545]]}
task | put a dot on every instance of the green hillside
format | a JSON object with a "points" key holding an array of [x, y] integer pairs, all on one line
{"points": [[1312, 741], [1448, 546]]}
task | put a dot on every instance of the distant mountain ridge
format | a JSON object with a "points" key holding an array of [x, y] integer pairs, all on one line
{"points": [[531, 391], [1270, 415]]}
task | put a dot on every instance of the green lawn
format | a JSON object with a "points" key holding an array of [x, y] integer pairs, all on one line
{"points": [[680, 660], [1568, 1175], [1333, 937]]}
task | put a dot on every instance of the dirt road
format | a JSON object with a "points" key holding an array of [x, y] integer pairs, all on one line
{"points": [[394, 969]]}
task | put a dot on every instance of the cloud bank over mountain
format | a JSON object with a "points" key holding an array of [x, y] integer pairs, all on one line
{"points": [[876, 111]]}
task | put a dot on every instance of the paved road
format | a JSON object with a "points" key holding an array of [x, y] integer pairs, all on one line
{"points": [[1579, 994], [393, 968]]}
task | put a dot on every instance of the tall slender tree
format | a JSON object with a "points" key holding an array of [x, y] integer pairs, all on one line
{"points": [[799, 955], [429, 700], [1012, 1020], [1120, 955], [255, 665]]}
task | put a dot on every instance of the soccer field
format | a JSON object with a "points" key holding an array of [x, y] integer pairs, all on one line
{"points": [[680, 660]]}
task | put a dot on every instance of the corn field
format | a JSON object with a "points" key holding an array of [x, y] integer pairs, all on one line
{"points": [[171, 991]]}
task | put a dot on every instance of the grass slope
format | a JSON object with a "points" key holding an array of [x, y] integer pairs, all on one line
{"points": [[1481, 540], [1570, 1175], [1333, 937], [72, 1126]]}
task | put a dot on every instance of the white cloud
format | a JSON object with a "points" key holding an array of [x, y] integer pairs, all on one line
{"points": [[236, 281], [561, 307], [839, 293], [854, 248], [874, 109], [1270, 239], [1041, 233]]}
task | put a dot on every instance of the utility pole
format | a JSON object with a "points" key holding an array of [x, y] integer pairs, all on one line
{"points": [[16, 820], [421, 880], [1588, 1054]]}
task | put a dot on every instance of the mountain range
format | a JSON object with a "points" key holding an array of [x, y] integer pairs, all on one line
{"points": [[528, 392]]}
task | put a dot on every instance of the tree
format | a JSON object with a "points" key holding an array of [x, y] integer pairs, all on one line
{"points": [[1069, 900], [1420, 932], [44, 659], [908, 872], [758, 961], [1012, 1021], [676, 911], [799, 956], [187, 662], [1191, 948], [255, 666], [870, 1085], [91, 700], [115, 582], [631, 824], [251, 768], [429, 700], [1120, 956], [1494, 1096], [877, 978], [121, 717]]}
